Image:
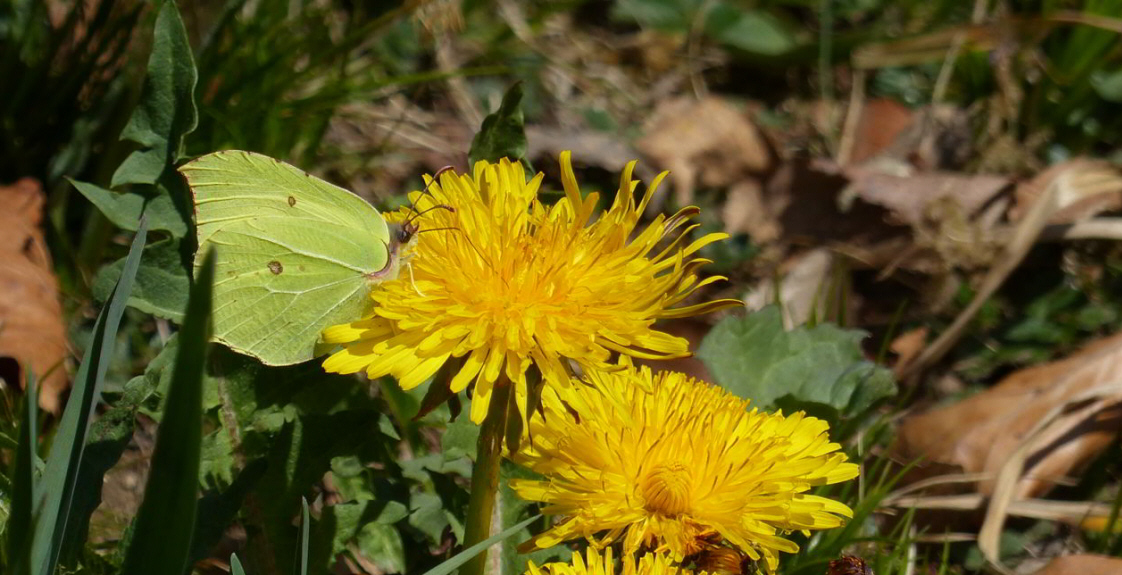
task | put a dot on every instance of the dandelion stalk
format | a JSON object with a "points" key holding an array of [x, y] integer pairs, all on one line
{"points": [[485, 475]]}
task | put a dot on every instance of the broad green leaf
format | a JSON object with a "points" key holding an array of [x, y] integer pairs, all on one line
{"points": [[460, 438], [18, 528], [217, 510], [294, 421], [298, 456], [503, 132], [382, 544], [165, 522], [166, 111], [1108, 84], [359, 522], [665, 15], [429, 515], [752, 30], [514, 509], [124, 208], [61, 473], [756, 359], [161, 282]]}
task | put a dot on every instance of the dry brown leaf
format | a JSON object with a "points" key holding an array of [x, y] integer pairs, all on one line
{"points": [[802, 291], [907, 345], [708, 142], [981, 433], [881, 122], [1085, 188], [938, 137], [1082, 565], [588, 148], [746, 212], [1020, 240], [802, 198], [31, 328], [910, 197]]}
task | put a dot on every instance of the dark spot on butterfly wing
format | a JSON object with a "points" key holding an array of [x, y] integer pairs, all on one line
{"points": [[276, 267], [291, 201]]}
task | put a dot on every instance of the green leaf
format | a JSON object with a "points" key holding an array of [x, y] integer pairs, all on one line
{"points": [[503, 132], [295, 421], [756, 359], [460, 437], [161, 283], [1108, 84], [217, 510], [124, 208], [166, 111], [382, 544], [236, 565], [19, 525], [514, 509], [468, 554], [429, 515], [108, 438], [61, 473], [305, 529], [166, 520], [755, 31], [368, 524], [665, 15]]}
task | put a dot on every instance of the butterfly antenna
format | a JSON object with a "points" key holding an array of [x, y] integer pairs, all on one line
{"points": [[425, 211], [425, 190]]}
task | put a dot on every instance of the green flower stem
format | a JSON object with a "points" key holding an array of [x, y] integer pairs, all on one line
{"points": [[485, 476]]}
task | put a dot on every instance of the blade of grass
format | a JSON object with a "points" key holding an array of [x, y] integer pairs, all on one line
{"points": [[23, 493], [235, 565], [467, 554], [305, 529], [53, 502], [166, 519]]}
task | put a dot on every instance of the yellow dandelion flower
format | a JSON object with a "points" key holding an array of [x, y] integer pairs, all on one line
{"points": [[669, 462], [509, 281], [601, 563]]}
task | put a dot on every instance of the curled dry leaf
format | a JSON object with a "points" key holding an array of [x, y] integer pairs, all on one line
{"points": [[910, 197], [1082, 565], [1069, 409], [1084, 188], [31, 328], [709, 142]]}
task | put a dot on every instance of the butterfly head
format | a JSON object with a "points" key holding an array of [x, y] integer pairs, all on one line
{"points": [[406, 233]]}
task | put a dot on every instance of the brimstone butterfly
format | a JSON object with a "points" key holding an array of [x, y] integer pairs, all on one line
{"points": [[295, 253]]}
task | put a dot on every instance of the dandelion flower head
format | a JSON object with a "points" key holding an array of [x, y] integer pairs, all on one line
{"points": [[505, 282], [667, 462], [601, 563]]}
